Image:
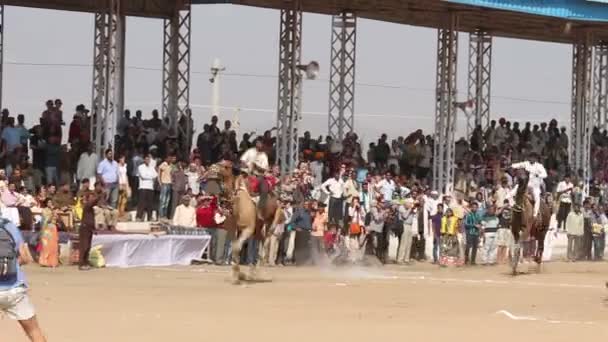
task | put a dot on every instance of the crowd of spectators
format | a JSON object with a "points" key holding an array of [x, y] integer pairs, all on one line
{"points": [[337, 203]]}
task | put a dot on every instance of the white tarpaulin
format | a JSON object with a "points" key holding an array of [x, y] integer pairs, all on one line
{"points": [[135, 250]]}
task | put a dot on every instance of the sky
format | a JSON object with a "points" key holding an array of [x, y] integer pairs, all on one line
{"points": [[48, 54]]}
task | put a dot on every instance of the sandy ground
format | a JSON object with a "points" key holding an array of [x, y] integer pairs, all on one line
{"points": [[416, 303]]}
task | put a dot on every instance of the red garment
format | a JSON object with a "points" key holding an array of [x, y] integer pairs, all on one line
{"points": [[205, 215], [330, 239], [74, 131]]}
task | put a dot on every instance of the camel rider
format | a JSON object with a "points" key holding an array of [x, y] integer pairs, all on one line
{"points": [[255, 162], [537, 174]]}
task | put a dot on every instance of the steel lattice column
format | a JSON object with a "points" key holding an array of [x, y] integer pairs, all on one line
{"points": [[582, 112], [600, 85], [342, 75], [445, 110], [480, 76], [108, 74], [1, 52], [176, 66], [289, 90]]}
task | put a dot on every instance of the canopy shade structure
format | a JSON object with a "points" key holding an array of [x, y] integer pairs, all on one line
{"points": [[583, 24]]}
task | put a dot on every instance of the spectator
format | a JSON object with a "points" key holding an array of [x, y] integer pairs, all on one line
{"points": [[436, 227], [319, 226], [490, 224], [302, 224], [407, 214], [575, 229], [334, 187], [179, 184], [87, 165], [185, 215], [504, 237], [472, 224], [147, 177], [564, 193], [107, 171], [164, 177]]}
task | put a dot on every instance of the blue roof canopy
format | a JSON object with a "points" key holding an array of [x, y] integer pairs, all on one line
{"points": [[588, 10]]}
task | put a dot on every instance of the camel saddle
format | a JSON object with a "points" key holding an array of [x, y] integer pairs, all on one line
{"points": [[254, 184]]}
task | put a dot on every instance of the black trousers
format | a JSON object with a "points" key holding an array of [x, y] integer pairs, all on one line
{"points": [[562, 213], [85, 238], [302, 247], [471, 249], [335, 212], [146, 200]]}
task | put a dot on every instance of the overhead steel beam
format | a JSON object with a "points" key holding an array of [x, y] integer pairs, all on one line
{"points": [[600, 85], [289, 90], [342, 75], [445, 109], [582, 105], [139, 8], [480, 79], [176, 68]]}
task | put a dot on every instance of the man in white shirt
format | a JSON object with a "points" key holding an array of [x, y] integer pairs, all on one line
{"points": [[387, 187], [255, 162], [334, 187], [564, 193], [87, 166], [537, 174], [147, 176], [185, 214]]}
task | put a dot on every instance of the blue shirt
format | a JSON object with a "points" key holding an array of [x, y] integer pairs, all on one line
{"points": [[20, 280], [361, 175], [12, 137], [108, 171]]}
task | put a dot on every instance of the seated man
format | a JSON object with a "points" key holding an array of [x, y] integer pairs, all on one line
{"points": [[255, 162], [106, 216], [64, 202], [185, 214]]}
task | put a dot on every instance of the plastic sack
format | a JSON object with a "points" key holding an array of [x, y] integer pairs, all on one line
{"points": [[96, 259]]}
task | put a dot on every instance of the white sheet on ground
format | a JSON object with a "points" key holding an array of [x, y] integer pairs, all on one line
{"points": [[134, 250]]}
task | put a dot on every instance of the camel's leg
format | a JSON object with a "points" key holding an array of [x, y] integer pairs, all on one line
{"points": [[237, 246], [516, 253]]}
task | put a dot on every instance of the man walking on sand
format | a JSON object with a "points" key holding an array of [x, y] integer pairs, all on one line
{"points": [[14, 300]]}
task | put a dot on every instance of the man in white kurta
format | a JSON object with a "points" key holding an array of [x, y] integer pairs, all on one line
{"points": [[537, 174], [255, 162]]}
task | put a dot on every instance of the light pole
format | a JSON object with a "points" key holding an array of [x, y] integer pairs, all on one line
{"points": [[216, 70]]}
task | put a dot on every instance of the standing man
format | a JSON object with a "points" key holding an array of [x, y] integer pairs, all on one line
{"points": [[14, 300], [179, 185], [537, 174], [147, 176], [108, 172], [564, 193], [472, 225], [87, 165], [164, 178], [334, 187], [575, 227], [87, 227], [407, 213], [490, 223]]}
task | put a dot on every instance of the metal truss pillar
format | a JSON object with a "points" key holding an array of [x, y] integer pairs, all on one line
{"points": [[1, 52], [480, 76], [176, 67], [582, 103], [342, 75], [600, 85], [289, 90], [108, 74], [445, 109]]}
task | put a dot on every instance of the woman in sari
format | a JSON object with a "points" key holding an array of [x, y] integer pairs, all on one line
{"points": [[49, 237]]}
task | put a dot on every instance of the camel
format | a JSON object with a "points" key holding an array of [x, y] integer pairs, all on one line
{"points": [[249, 223], [524, 225]]}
